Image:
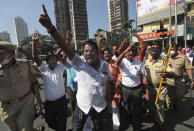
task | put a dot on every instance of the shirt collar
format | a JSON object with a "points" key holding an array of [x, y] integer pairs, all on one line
{"points": [[100, 60]]}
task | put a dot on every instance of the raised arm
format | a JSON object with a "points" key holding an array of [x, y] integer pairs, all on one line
{"points": [[35, 38], [100, 46], [119, 59], [46, 22], [143, 47], [122, 45]]}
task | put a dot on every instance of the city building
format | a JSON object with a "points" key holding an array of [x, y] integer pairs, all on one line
{"points": [[5, 36], [118, 13], [79, 19], [70, 14], [152, 12], [62, 16], [21, 29]]}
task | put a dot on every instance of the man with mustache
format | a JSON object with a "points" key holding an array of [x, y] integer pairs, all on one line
{"points": [[92, 75], [16, 98], [132, 70]]}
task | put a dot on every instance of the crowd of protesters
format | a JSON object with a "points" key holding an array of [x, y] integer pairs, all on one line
{"points": [[112, 89]]}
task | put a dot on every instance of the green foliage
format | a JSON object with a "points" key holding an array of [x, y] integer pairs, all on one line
{"points": [[45, 45], [128, 24]]}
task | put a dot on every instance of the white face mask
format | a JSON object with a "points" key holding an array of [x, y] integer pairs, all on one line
{"points": [[5, 61], [172, 53]]}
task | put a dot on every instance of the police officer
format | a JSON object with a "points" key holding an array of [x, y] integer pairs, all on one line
{"points": [[179, 63], [154, 68], [16, 98]]}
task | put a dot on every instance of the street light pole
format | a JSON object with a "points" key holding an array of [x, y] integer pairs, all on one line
{"points": [[170, 23], [74, 26], [136, 14], [176, 29], [185, 24]]}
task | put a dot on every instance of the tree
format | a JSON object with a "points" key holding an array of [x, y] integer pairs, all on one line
{"points": [[45, 45], [128, 25]]}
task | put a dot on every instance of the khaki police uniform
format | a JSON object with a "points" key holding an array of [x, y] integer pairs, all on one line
{"points": [[16, 98], [180, 63], [153, 75]]}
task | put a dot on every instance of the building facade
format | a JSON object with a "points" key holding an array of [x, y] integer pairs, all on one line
{"points": [[62, 16], [5, 36], [70, 14], [118, 13], [150, 16], [21, 29]]}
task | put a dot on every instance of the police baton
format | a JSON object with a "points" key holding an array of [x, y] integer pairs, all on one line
{"points": [[162, 79]]}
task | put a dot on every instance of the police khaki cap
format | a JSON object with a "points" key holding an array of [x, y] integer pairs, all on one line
{"points": [[7, 46], [149, 47]]}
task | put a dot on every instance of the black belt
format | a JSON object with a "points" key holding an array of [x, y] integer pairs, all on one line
{"points": [[16, 100], [157, 85], [131, 88]]}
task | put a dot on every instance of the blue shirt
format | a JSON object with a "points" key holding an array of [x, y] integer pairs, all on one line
{"points": [[70, 77]]}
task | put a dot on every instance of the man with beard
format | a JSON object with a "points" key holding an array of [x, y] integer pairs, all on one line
{"points": [[114, 69], [92, 75], [132, 70]]}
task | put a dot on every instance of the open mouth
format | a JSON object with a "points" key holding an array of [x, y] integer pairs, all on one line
{"points": [[89, 59]]}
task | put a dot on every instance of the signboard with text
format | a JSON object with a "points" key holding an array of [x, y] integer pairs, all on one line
{"points": [[147, 7], [154, 35]]}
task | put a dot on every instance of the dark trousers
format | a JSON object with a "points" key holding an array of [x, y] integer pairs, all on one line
{"points": [[55, 114], [131, 109], [102, 121]]}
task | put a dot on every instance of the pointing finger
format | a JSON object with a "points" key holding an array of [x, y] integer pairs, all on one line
{"points": [[44, 9]]}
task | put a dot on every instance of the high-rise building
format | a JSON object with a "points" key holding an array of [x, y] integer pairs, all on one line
{"points": [[118, 13], [67, 19], [79, 19], [21, 29], [5, 36], [62, 16]]}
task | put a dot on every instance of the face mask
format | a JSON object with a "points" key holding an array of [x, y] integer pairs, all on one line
{"points": [[5, 61], [172, 53], [155, 56]]}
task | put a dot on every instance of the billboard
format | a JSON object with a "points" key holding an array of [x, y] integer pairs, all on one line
{"points": [[147, 7]]}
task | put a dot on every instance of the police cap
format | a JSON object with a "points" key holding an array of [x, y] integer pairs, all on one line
{"points": [[7, 46]]}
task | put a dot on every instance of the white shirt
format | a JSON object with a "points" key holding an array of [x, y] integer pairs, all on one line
{"points": [[131, 72], [53, 81], [114, 57], [91, 84]]}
